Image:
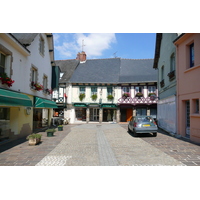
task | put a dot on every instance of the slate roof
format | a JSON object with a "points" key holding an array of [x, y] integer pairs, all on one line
{"points": [[97, 71], [67, 67], [25, 38], [114, 71], [137, 71]]}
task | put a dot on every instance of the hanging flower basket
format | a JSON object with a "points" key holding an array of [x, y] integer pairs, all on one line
{"points": [[110, 97], [37, 86], [139, 94], [152, 94], [94, 97], [81, 96], [125, 95], [6, 80], [48, 91]]}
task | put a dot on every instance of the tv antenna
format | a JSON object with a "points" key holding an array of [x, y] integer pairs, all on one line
{"points": [[83, 44], [115, 54]]}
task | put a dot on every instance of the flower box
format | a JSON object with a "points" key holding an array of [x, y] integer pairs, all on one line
{"points": [[60, 128], [50, 132], [34, 139], [6, 80]]}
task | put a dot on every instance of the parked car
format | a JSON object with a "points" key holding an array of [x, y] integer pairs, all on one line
{"points": [[142, 124]]}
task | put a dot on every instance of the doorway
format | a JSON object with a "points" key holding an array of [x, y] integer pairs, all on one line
{"points": [[126, 114], [187, 107], [94, 114]]}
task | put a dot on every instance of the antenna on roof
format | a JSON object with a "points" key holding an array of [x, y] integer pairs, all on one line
{"points": [[83, 44], [115, 54]]}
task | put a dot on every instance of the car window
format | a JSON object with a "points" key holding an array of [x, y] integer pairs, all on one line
{"points": [[145, 119]]}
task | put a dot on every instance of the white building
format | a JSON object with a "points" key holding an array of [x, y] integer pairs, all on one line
{"points": [[94, 89], [26, 58]]}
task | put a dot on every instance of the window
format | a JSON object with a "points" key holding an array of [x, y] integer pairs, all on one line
{"points": [[162, 72], [93, 90], [138, 89], [197, 106], [152, 89], [172, 62], [2, 63], [41, 47], [4, 113], [61, 74], [109, 90], [192, 55], [126, 89], [45, 82], [82, 90], [5, 60], [34, 75]]}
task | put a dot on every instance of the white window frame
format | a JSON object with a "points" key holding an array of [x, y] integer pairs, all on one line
{"points": [[41, 45], [2, 65]]}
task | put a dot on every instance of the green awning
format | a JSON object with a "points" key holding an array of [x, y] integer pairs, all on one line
{"points": [[44, 103], [10, 98]]}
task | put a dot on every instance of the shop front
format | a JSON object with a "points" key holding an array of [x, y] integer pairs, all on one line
{"points": [[15, 115], [109, 112], [80, 111], [42, 113]]}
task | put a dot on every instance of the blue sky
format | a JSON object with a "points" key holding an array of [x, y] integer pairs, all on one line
{"points": [[104, 45]]}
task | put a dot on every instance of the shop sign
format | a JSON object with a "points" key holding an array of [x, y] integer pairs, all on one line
{"points": [[108, 106], [80, 105]]}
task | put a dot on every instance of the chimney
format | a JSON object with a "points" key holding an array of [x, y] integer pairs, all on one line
{"points": [[81, 56]]}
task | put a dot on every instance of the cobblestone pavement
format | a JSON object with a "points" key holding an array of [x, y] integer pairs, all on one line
{"points": [[181, 149], [19, 153], [101, 145], [105, 145]]}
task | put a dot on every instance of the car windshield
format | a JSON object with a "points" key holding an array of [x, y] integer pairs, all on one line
{"points": [[145, 119]]}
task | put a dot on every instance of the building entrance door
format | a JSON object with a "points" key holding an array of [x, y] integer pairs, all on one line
{"points": [[94, 114], [187, 118]]}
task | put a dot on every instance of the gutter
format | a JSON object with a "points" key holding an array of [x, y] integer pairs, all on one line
{"points": [[19, 42]]}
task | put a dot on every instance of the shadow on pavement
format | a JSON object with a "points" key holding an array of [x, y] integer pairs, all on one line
{"points": [[11, 144]]}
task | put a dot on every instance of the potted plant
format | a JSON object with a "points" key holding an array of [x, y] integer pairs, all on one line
{"points": [[94, 97], [6, 80], [110, 97], [50, 132], [152, 94], [81, 96], [139, 95], [34, 138], [125, 95], [60, 128]]}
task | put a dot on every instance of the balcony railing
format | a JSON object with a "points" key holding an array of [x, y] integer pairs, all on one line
{"points": [[171, 75], [137, 100]]}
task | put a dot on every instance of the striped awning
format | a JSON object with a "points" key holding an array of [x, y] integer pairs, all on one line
{"points": [[44, 103], [10, 98]]}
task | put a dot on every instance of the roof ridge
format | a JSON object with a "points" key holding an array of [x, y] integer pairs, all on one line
{"points": [[65, 60], [102, 58], [137, 58]]}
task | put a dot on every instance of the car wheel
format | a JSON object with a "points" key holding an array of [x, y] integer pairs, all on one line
{"points": [[129, 130], [154, 134], [135, 134]]}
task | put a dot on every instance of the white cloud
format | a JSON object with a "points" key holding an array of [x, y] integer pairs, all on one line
{"points": [[95, 44]]}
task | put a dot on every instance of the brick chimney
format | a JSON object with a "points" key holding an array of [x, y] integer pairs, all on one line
{"points": [[81, 56]]}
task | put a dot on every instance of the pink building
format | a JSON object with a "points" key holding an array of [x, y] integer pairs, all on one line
{"points": [[188, 85]]}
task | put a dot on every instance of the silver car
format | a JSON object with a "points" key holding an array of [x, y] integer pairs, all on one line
{"points": [[142, 124]]}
